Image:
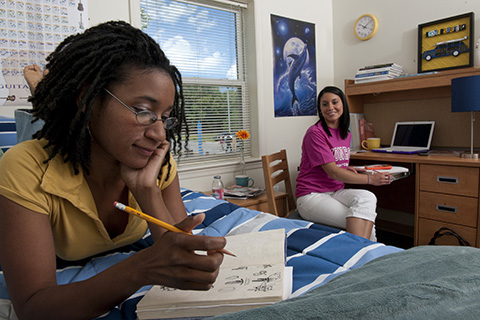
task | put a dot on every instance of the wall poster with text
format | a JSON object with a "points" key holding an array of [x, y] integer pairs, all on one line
{"points": [[294, 68], [29, 31]]}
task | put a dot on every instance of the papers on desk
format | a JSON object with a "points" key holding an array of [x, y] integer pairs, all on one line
{"points": [[395, 172], [239, 192]]}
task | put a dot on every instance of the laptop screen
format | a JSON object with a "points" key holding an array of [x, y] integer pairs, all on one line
{"points": [[413, 134]]}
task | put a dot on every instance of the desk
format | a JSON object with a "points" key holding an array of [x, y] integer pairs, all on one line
{"points": [[446, 193]]}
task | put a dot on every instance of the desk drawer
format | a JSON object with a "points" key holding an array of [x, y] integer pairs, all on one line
{"points": [[449, 179], [448, 208], [427, 228]]}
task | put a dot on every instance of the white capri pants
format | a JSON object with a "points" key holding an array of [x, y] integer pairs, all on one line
{"points": [[333, 208]]}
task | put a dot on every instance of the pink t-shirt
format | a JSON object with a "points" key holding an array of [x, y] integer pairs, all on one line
{"points": [[317, 149]]}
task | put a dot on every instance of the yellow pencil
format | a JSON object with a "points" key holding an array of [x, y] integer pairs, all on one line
{"points": [[156, 221]]}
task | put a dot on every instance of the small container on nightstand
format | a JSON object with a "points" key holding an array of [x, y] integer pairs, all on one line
{"points": [[217, 188]]}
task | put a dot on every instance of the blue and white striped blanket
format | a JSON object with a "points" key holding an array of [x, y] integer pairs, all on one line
{"points": [[316, 253]]}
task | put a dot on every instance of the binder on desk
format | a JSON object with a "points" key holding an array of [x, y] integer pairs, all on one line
{"points": [[396, 172]]}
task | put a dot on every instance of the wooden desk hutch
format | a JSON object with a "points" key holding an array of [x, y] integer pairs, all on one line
{"points": [[446, 186]]}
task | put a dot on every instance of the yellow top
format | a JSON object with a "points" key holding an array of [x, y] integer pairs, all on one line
{"points": [[148, 218], [54, 189]]}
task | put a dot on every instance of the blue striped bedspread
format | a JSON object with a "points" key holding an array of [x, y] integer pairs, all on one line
{"points": [[317, 253]]}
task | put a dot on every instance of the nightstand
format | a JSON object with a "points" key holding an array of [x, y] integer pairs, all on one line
{"points": [[260, 203]]}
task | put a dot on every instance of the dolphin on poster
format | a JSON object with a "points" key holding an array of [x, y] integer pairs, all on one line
{"points": [[296, 71]]}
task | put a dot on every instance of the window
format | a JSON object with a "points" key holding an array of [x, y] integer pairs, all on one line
{"points": [[204, 40]]}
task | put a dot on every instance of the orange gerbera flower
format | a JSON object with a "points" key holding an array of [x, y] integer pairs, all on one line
{"points": [[243, 134]]}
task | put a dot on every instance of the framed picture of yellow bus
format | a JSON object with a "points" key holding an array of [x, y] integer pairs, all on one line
{"points": [[446, 44]]}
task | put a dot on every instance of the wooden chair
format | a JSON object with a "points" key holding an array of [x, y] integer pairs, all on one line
{"points": [[275, 170]]}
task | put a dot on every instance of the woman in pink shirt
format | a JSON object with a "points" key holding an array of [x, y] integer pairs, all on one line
{"points": [[324, 170]]}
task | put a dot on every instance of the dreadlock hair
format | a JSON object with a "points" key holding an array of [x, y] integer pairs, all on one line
{"points": [[344, 118], [78, 71]]}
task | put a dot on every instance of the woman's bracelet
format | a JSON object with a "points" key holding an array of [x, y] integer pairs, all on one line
{"points": [[368, 179]]}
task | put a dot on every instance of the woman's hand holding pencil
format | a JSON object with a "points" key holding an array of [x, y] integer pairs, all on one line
{"points": [[156, 221], [173, 259]]}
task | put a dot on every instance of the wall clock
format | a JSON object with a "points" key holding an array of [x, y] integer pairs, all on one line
{"points": [[365, 27]]}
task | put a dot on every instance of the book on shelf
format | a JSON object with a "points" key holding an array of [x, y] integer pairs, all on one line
{"points": [[355, 130], [378, 72], [366, 129], [372, 73], [239, 192], [391, 69], [396, 172], [375, 78], [256, 277], [382, 65]]}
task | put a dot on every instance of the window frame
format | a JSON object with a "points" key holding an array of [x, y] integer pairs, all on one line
{"points": [[241, 82]]}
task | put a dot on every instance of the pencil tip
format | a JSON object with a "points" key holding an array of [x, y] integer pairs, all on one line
{"points": [[229, 253]]}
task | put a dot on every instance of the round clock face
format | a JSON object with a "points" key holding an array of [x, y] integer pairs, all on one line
{"points": [[365, 27]]}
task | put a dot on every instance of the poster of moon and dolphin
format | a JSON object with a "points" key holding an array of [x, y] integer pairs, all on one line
{"points": [[294, 68]]}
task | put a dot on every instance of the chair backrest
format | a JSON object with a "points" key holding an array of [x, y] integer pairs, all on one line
{"points": [[275, 170], [25, 127], [8, 134]]}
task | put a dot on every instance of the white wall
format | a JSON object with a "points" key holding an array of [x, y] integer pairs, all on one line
{"points": [[396, 38], [105, 10]]}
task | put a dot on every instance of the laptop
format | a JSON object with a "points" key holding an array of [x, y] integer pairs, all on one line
{"points": [[410, 137]]}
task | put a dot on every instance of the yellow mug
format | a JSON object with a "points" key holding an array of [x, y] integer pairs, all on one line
{"points": [[371, 143]]}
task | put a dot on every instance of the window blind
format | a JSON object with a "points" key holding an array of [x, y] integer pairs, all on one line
{"points": [[204, 40]]}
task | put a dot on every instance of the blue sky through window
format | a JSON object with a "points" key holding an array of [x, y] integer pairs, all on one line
{"points": [[200, 41]]}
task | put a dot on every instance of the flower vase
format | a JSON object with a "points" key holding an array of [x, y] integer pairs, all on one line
{"points": [[243, 169]]}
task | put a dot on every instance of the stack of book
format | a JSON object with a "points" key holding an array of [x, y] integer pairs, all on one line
{"points": [[378, 72]]}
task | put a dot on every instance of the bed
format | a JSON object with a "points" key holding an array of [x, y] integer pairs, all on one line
{"points": [[321, 257]]}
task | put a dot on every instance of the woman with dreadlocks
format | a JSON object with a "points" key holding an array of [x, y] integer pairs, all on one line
{"points": [[110, 102]]}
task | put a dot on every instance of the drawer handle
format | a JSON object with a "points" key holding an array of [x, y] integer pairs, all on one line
{"points": [[446, 208], [447, 180]]}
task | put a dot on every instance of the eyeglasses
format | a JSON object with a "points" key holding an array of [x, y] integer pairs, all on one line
{"points": [[147, 117]]}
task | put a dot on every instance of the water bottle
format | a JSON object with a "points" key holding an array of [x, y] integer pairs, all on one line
{"points": [[217, 188]]}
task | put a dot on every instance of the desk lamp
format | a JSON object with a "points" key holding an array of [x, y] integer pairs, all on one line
{"points": [[466, 97]]}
